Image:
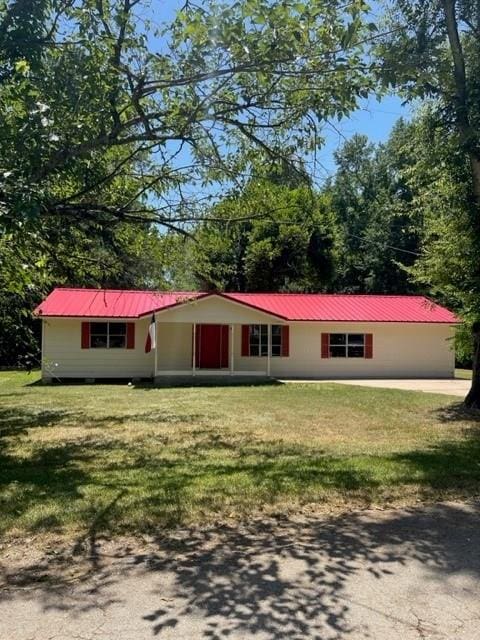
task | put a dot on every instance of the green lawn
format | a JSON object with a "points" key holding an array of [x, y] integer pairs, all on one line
{"points": [[115, 458], [463, 374]]}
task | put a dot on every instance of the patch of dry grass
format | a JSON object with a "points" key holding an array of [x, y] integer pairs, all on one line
{"points": [[128, 459]]}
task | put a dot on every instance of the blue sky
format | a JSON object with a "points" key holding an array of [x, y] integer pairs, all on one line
{"points": [[373, 118]]}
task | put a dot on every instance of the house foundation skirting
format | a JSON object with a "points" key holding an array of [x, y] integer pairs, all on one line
{"points": [[210, 372]]}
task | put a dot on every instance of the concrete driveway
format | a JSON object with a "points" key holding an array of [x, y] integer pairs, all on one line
{"points": [[448, 386], [407, 574]]}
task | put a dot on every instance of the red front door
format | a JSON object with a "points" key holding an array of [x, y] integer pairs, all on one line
{"points": [[211, 342]]}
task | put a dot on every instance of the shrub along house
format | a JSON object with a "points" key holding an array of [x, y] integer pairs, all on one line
{"points": [[97, 333]]}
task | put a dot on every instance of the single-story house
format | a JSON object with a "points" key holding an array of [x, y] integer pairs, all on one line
{"points": [[98, 333]]}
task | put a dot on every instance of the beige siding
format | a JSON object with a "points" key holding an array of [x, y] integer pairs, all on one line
{"points": [[174, 346], [399, 350], [214, 310], [64, 357]]}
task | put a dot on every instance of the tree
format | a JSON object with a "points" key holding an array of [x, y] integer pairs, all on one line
{"points": [[433, 52], [109, 120], [269, 237], [88, 100], [31, 263], [372, 203]]}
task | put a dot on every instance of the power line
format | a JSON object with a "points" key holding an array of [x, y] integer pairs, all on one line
{"points": [[388, 246]]}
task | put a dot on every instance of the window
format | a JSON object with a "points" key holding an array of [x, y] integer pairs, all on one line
{"points": [[108, 335], [276, 340], [347, 345], [258, 340]]}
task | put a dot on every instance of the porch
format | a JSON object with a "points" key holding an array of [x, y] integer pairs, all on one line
{"points": [[213, 350]]}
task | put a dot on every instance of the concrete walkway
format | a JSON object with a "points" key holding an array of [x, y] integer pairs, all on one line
{"points": [[449, 386], [408, 574]]}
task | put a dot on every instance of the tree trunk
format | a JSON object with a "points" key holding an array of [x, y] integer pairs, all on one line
{"points": [[469, 141], [473, 398]]}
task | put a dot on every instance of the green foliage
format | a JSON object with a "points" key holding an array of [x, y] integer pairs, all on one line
{"points": [[100, 131], [38, 258], [440, 182], [88, 108], [421, 59], [433, 51], [372, 201], [269, 237]]}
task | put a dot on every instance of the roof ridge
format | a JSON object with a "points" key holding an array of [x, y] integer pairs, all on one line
{"points": [[250, 293], [358, 295], [106, 289]]}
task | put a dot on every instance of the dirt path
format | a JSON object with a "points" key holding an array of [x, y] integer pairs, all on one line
{"points": [[403, 574]]}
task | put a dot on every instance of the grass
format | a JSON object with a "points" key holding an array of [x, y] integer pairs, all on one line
{"points": [[116, 458], [463, 374]]}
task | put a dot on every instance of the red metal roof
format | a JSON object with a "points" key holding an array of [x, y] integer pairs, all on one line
{"points": [[348, 307], [110, 303]]}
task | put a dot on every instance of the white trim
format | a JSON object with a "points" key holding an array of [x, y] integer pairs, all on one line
{"points": [[216, 296], [42, 363], [232, 348], [278, 319], [194, 347], [155, 366], [269, 347]]}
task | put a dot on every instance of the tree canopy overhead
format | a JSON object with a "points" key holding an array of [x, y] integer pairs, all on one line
{"points": [[95, 96]]}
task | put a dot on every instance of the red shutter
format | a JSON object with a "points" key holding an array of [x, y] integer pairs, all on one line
{"points": [[285, 341], [325, 345], [245, 339], [368, 345], [130, 335], [85, 335]]}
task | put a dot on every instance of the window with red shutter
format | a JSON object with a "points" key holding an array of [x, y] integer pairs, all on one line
{"points": [[85, 335], [255, 340], [245, 339], [285, 340], [108, 335], [325, 345], [346, 345], [130, 335], [368, 345]]}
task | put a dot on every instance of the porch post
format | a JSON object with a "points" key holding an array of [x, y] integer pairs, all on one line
{"points": [[156, 351], [269, 347], [194, 346], [231, 349]]}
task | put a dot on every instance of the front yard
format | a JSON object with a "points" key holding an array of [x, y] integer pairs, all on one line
{"points": [[114, 458]]}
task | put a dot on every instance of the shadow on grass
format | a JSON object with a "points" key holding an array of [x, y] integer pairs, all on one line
{"points": [[457, 412], [169, 382], [175, 475], [173, 382], [272, 577]]}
